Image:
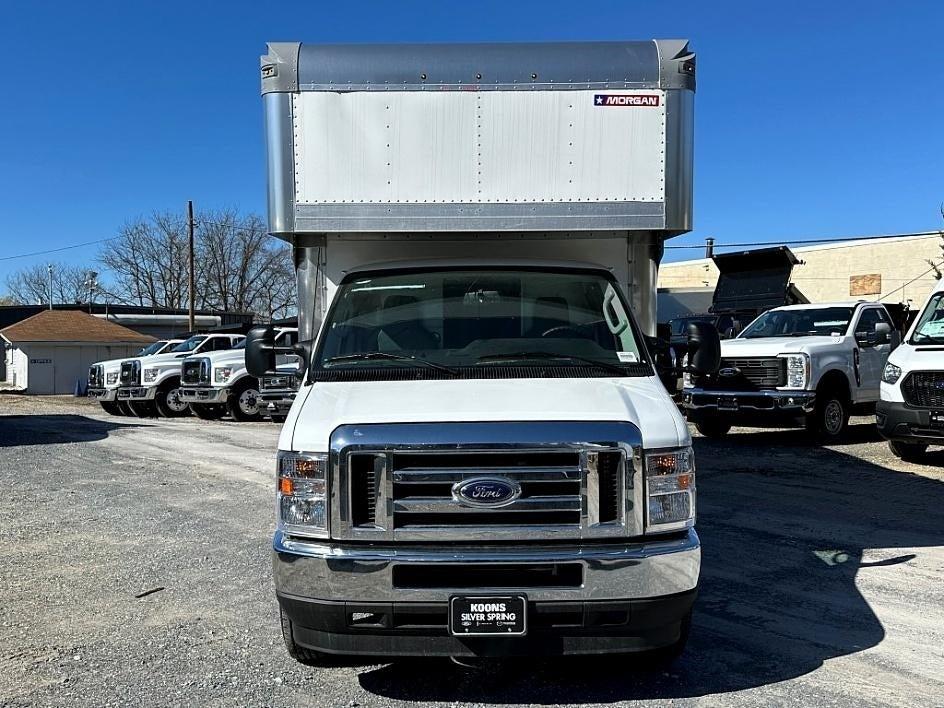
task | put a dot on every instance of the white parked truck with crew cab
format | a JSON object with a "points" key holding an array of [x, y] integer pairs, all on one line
{"points": [[103, 377], [910, 413], [480, 460], [217, 383], [277, 391], [809, 364], [150, 385]]}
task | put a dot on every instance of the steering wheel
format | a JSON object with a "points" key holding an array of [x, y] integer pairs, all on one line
{"points": [[556, 331]]}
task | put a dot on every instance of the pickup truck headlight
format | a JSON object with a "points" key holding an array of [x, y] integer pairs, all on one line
{"points": [[891, 374], [222, 374], [111, 378], [302, 494], [798, 370], [150, 375], [670, 489]]}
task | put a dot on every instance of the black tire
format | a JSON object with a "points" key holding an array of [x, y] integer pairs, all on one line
{"points": [[666, 655], [243, 402], [208, 411], [278, 418], [124, 408], [111, 407], [713, 428], [831, 417], [143, 409], [303, 655], [168, 401], [909, 452]]}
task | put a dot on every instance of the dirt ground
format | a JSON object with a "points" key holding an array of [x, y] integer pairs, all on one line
{"points": [[135, 570]]}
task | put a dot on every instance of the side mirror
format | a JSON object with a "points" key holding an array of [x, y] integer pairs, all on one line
{"points": [[883, 333], [260, 351], [704, 349]]}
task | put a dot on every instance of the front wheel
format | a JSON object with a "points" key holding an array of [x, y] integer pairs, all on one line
{"points": [[124, 408], [830, 418], [208, 411], [169, 403], [303, 655], [111, 407], [909, 452], [143, 409], [713, 428], [243, 401]]}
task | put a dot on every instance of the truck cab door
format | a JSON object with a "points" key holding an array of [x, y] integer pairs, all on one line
{"points": [[873, 352]]}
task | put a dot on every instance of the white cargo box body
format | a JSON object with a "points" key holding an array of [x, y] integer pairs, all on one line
{"points": [[516, 137]]}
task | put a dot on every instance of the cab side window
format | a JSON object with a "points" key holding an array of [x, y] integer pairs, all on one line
{"points": [[868, 319], [286, 339]]}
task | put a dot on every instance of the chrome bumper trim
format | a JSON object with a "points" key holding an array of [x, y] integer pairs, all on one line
{"points": [[332, 571], [103, 394], [203, 394], [137, 393]]}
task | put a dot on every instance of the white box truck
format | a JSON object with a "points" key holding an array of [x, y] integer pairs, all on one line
{"points": [[910, 412], [480, 460]]}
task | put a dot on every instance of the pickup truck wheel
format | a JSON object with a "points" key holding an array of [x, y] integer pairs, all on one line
{"points": [[208, 411], [143, 409], [124, 408], [830, 418], [111, 407], [169, 403], [301, 654], [909, 452], [243, 402], [712, 428]]}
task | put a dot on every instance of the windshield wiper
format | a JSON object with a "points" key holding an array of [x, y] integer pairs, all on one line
{"points": [[551, 355], [388, 356]]}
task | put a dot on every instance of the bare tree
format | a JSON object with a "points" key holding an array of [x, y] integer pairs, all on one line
{"points": [[70, 284], [238, 266], [936, 266]]}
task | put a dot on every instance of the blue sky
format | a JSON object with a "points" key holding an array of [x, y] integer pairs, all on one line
{"points": [[813, 119]]}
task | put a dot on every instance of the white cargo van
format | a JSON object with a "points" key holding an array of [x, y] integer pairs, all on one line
{"points": [[910, 413], [480, 459]]}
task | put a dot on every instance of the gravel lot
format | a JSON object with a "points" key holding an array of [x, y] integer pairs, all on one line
{"points": [[822, 578]]}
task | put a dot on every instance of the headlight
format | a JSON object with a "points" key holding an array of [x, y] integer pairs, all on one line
{"points": [[798, 370], [111, 377], [302, 494], [686, 376], [891, 374], [150, 375], [670, 489], [222, 375]]}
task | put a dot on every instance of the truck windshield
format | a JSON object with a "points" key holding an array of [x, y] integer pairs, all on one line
{"points": [[930, 326], [804, 322], [466, 322], [152, 348], [188, 345]]}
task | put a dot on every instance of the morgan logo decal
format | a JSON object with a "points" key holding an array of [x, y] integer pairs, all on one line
{"points": [[624, 99]]}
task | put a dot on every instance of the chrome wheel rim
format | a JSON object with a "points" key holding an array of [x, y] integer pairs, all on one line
{"points": [[249, 402], [174, 401], [832, 417]]}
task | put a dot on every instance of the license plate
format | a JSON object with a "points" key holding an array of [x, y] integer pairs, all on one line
{"points": [[937, 419], [727, 403], [489, 615]]}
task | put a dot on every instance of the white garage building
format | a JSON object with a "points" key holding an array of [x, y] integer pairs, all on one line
{"points": [[50, 351]]}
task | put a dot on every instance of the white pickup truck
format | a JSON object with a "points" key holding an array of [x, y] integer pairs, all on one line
{"points": [[277, 391], [217, 383], [103, 377], [910, 413], [812, 364], [149, 385]]}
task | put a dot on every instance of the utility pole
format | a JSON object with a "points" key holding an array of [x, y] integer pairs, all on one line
{"points": [[191, 283], [49, 272]]}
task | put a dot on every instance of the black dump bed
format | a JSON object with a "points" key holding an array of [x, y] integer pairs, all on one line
{"points": [[755, 281]]}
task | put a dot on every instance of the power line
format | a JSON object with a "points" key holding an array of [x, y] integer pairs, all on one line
{"points": [[934, 266], [57, 250], [701, 246]]}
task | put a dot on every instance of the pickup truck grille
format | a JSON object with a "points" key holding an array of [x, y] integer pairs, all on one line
{"points": [[96, 376], [278, 383], [195, 372], [410, 492], [924, 389], [130, 373], [753, 374]]}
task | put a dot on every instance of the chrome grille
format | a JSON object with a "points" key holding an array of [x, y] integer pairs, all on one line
{"points": [[130, 373], [384, 487], [96, 377], [278, 383], [753, 374], [924, 389], [195, 372]]}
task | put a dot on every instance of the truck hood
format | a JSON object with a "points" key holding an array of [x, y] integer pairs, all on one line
{"points": [[158, 359], [224, 356], [772, 346], [912, 358], [642, 401]]}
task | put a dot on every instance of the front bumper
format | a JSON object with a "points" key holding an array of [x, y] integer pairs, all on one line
{"points": [[203, 394], [752, 404], [372, 600], [277, 402], [137, 393], [902, 423], [103, 394]]}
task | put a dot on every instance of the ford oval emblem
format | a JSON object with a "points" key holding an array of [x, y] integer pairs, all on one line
{"points": [[729, 371], [486, 491]]}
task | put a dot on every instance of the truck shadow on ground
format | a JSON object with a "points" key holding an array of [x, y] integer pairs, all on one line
{"points": [[783, 540], [22, 430]]}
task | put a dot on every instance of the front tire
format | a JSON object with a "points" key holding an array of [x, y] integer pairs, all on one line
{"points": [[909, 452], [124, 408], [207, 411], [168, 401], [243, 401], [831, 417], [713, 428], [143, 409], [111, 407], [303, 655]]}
